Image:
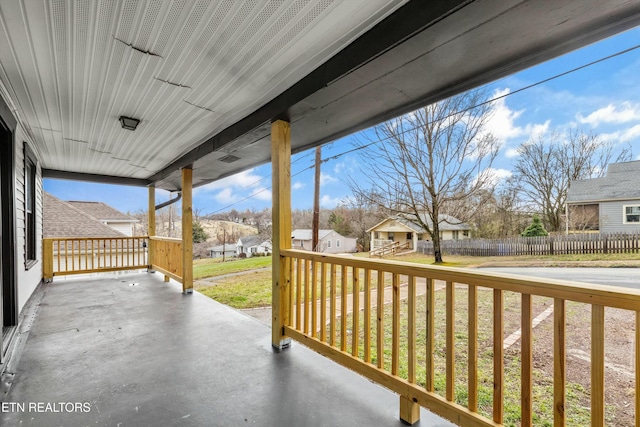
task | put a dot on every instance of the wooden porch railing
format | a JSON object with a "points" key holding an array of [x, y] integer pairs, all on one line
{"points": [[167, 256], [63, 256], [337, 307]]}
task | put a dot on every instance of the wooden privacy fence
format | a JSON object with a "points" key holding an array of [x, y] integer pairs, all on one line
{"points": [[590, 243], [166, 256], [336, 305], [63, 256]]}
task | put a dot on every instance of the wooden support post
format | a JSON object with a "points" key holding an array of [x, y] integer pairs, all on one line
{"points": [[281, 211], [47, 259], [151, 226], [409, 410], [187, 231]]}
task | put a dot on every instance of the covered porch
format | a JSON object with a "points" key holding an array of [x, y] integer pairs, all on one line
{"points": [[140, 352]]}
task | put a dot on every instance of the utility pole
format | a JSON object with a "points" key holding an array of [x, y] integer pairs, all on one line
{"points": [[316, 202], [224, 242]]}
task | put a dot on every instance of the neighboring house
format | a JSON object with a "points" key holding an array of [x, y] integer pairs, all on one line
{"points": [[329, 241], [253, 245], [107, 215], [610, 204], [400, 228], [228, 251], [64, 219]]}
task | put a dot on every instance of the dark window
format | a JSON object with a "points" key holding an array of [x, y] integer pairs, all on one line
{"points": [[632, 214], [30, 169]]}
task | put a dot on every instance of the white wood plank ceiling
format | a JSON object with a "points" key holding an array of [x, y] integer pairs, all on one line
{"points": [[186, 68]]}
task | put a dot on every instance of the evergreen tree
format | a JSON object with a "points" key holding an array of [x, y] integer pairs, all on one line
{"points": [[536, 228], [199, 235]]}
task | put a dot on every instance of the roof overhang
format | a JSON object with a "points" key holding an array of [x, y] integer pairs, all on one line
{"points": [[343, 73]]}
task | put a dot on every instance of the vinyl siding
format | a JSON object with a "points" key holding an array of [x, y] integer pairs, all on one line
{"points": [[611, 217]]}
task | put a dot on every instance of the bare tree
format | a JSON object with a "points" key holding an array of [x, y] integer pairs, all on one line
{"points": [[548, 163], [430, 160]]}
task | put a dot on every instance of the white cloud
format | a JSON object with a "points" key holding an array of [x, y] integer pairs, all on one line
{"points": [[261, 193], [297, 185], [625, 113], [511, 153], [623, 135], [244, 179], [495, 176], [226, 196], [327, 179], [502, 123], [236, 187], [339, 167], [329, 202]]}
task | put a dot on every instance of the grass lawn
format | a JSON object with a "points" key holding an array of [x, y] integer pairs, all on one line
{"points": [[244, 291], [211, 267]]}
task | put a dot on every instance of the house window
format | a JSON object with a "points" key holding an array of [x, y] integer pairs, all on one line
{"points": [[409, 236], [376, 234], [455, 234], [390, 236], [337, 243], [30, 170], [328, 243], [465, 233], [632, 214]]}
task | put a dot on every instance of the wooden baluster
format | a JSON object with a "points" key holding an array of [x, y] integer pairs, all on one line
{"points": [[450, 341], [332, 309], [527, 362], [355, 329], [298, 293], [559, 362], [305, 265], [498, 355], [411, 329], [314, 299], [395, 325], [323, 302], [430, 325], [343, 308], [473, 348], [367, 316], [380, 322], [597, 365]]}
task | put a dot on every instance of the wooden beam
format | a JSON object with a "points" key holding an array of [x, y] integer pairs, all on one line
{"points": [[281, 217], [151, 223], [187, 231]]}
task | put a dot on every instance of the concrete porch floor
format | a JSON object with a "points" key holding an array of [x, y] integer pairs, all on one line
{"points": [[146, 355]]}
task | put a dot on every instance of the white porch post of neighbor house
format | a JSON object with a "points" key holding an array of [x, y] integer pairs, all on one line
{"points": [[281, 216], [151, 226], [187, 230]]}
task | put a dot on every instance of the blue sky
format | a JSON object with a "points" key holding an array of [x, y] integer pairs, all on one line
{"points": [[603, 98]]}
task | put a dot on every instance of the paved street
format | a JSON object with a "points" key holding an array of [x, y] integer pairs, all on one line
{"points": [[626, 277]]}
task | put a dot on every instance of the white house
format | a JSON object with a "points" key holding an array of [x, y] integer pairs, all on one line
{"points": [[107, 215], [610, 204], [329, 241], [253, 245], [401, 228], [228, 251]]}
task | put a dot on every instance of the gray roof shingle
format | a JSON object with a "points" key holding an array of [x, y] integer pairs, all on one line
{"points": [[101, 211], [622, 182], [61, 219]]}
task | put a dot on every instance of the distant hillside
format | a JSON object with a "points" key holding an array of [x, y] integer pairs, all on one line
{"points": [[215, 230]]}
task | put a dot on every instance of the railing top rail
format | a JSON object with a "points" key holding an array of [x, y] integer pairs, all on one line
{"points": [[165, 239], [94, 238], [610, 296]]}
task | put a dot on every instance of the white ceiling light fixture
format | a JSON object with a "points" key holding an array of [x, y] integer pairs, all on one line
{"points": [[129, 123]]}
